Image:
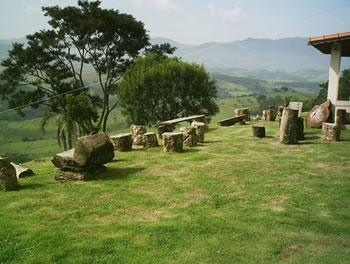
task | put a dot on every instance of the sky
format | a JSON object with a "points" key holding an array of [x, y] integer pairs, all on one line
{"points": [[199, 21]]}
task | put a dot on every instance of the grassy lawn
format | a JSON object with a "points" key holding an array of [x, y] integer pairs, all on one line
{"points": [[232, 199]]}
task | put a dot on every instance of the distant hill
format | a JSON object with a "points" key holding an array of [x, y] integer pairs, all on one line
{"points": [[287, 54]]}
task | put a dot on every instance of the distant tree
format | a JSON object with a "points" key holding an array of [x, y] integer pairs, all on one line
{"points": [[161, 50], [54, 62], [284, 89], [157, 88]]}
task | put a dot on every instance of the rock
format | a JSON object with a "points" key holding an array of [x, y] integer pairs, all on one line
{"points": [[189, 136], [164, 128], [200, 129], [136, 133], [289, 126], [8, 178], [173, 142], [269, 115], [258, 131], [243, 111], [318, 115], [149, 140], [22, 172], [122, 142], [65, 160], [93, 151], [62, 175], [280, 111]]}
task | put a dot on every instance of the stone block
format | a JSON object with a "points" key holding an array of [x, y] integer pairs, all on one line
{"points": [[173, 142]]}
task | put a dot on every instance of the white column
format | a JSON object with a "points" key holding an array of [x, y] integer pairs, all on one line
{"points": [[334, 72]]}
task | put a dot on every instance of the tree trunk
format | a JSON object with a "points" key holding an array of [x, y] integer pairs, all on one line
{"points": [[289, 126]]}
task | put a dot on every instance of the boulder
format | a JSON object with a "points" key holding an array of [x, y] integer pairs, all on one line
{"points": [[243, 111], [189, 136], [136, 133], [200, 129], [22, 172], [149, 140], [122, 142], [318, 115], [8, 178], [93, 151], [173, 142], [65, 160]]}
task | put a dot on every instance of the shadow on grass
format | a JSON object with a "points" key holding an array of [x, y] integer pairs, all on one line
{"points": [[190, 150], [212, 141], [312, 138], [116, 174], [30, 186]]}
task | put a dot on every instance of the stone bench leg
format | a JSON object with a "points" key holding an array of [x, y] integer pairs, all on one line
{"points": [[173, 142]]}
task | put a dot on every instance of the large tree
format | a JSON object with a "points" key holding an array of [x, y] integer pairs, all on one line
{"points": [[158, 88], [56, 62]]}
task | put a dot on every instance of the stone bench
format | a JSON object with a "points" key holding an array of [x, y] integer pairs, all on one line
{"points": [[231, 121], [168, 126]]}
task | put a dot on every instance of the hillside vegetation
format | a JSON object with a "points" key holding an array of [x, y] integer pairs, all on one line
{"points": [[232, 199]]}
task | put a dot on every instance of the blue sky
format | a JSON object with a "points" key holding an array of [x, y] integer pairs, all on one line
{"points": [[199, 21]]}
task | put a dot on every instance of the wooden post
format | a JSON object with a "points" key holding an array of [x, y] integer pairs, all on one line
{"points": [[289, 126]]}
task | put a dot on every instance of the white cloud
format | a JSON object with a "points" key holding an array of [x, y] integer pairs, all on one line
{"points": [[230, 15], [31, 9], [158, 5]]}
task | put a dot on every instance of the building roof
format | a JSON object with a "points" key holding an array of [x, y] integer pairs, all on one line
{"points": [[324, 43]]}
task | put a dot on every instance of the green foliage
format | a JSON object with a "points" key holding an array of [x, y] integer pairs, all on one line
{"points": [[157, 89], [53, 61]]}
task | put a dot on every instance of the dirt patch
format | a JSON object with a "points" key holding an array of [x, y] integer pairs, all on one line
{"points": [[277, 204], [291, 251]]}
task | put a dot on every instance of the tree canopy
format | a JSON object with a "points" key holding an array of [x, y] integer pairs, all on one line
{"points": [[83, 40], [157, 88]]}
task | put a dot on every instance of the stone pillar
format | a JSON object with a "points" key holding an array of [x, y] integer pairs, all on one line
{"points": [[204, 120], [200, 128], [189, 136], [300, 131], [173, 142], [8, 178], [136, 133], [149, 140], [340, 118], [289, 126], [334, 74], [258, 131], [164, 128], [122, 142], [269, 115], [330, 132], [243, 111]]}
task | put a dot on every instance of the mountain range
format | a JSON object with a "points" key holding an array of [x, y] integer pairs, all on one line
{"points": [[286, 54]]}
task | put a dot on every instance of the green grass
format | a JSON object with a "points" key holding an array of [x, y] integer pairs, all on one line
{"points": [[232, 199]]}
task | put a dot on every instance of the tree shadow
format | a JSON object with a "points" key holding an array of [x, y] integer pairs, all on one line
{"points": [[212, 141], [311, 138], [115, 174], [30, 186]]}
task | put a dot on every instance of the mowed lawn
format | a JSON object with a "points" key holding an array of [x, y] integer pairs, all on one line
{"points": [[232, 199]]}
